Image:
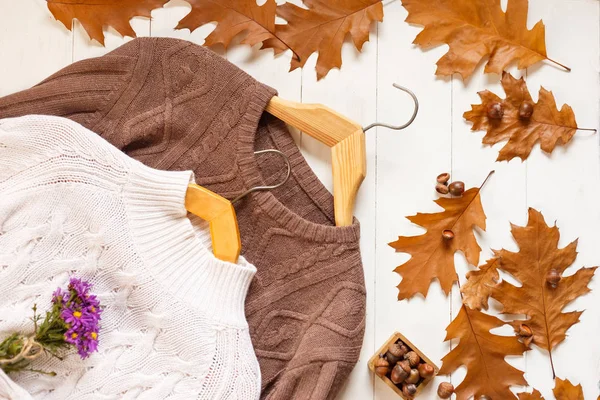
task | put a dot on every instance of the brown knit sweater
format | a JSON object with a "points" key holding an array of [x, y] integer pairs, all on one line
{"points": [[175, 105]]}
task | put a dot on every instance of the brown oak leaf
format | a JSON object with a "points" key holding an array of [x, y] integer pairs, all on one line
{"points": [[233, 18], [482, 353], [475, 29], [547, 124], [565, 390], [94, 14], [323, 27], [432, 256], [531, 396], [543, 304], [478, 288]]}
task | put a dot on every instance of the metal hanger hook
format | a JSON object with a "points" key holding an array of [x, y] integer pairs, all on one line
{"points": [[410, 121], [262, 188]]}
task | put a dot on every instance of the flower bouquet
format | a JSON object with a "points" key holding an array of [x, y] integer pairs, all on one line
{"points": [[72, 322]]}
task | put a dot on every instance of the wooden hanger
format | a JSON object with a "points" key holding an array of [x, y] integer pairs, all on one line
{"points": [[220, 214], [346, 139]]}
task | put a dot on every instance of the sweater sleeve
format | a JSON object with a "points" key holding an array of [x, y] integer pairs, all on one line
{"points": [[29, 143], [10, 390], [83, 91]]}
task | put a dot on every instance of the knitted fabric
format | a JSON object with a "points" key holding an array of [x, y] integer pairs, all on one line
{"points": [[173, 324], [9, 390], [175, 105]]}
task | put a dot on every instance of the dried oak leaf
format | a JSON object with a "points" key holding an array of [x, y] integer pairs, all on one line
{"points": [[94, 14], [543, 305], [475, 29], [564, 390], [547, 124], [432, 256], [234, 17], [323, 27], [482, 353], [478, 288], [530, 396]]}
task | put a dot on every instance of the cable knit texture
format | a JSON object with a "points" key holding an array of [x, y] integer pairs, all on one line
{"points": [[173, 325], [174, 105]]}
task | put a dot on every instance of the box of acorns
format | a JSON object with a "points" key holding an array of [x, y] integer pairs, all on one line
{"points": [[403, 367]]}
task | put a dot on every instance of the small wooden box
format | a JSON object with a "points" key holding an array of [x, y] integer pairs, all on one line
{"points": [[383, 349]]}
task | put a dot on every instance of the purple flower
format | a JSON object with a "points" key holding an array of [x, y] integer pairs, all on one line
{"points": [[58, 297], [71, 317], [92, 302], [89, 320], [80, 287], [90, 342], [81, 313], [71, 336]]}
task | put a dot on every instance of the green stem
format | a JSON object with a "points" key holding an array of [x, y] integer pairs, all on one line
{"points": [[35, 319], [39, 371]]}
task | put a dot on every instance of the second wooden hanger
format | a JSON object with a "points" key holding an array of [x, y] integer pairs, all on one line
{"points": [[221, 216]]}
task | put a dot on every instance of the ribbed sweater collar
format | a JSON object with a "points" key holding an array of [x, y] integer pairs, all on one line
{"points": [[179, 255], [301, 171]]}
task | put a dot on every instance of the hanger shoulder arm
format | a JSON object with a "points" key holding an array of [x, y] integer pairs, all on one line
{"points": [[225, 235], [220, 214], [349, 164], [316, 120]]}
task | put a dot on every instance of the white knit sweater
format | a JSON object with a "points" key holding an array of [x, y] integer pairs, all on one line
{"points": [[173, 325]]}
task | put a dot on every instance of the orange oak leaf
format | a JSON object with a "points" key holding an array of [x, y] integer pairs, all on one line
{"points": [[233, 18], [482, 353], [94, 14], [565, 390], [475, 29], [531, 396], [547, 124], [432, 256], [323, 27], [478, 288], [542, 302]]}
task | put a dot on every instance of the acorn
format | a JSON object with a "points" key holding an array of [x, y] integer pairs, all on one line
{"points": [[441, 188], [405, 365], [456, 188], [526, 110], [399, 373], [495, 110], [426, 371], [413, 376], [413, 358], [395, 352], [445, 390], [524, 331], [382, 366], [443, 178], [553, 277], [409, 390], [447, 234]]}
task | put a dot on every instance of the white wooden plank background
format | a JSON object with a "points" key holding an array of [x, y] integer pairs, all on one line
{"points": [[402, 165]]}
